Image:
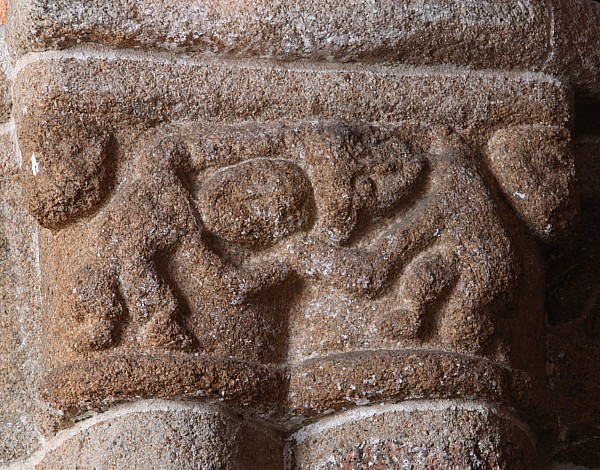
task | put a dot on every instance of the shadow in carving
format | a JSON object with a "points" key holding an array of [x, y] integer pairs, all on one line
{"points": [[218, 235]]}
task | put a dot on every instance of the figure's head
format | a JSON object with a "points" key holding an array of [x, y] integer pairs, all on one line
{"points": [[257, 202]]}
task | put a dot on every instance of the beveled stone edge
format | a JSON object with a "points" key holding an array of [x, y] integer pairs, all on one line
{"points": [[220, 29], [329, 422], [403, 424], [274, 392], [549, 101], [558, 44], [62, 437]]}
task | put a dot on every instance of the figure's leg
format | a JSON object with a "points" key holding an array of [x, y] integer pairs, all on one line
{"points": [[93, 301], [152, 303], [488, 277], [466, 324], [422, 285]]}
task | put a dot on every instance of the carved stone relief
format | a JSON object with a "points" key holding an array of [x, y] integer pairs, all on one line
{"points": [[290, 248], [280, 244]]}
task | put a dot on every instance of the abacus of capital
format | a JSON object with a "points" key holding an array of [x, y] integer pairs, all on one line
{"points": [[299, 235]]}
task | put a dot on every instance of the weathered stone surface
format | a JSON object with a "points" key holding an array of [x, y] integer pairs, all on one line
{"points": [[5, 82], [18, 276], [430, 435], [530, 35], [575, 53], [18, 289], [9, 162], [214, 295], [299, 393], [3, 8], [256, 203], [485, 33], [329, 217], [536, 171], [330, 238], [210, 91], [175, 436], [81, 159]]}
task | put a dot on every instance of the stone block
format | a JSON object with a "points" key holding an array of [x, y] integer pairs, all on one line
{"points": [[9, 162], [485, 34], [5, 71], [176, 436], [115, 314], [322, 222], [325, 238], [417, 435], [18, 274], [529, 35]]}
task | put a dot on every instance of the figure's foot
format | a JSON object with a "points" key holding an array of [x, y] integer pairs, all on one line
{"points": [[399, 324], [91, 299], [94, 336], [163, 332], [420, 296]]}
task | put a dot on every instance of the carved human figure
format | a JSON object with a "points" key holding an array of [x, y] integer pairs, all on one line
{"points": [[118, 273], [447, 243], [443, 249], [235, 212], [180, 203]]}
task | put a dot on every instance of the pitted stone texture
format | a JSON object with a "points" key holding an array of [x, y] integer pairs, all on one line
{"points": [[18, 289], [299, 393], [576, 55], [160, 435], [536, 170], [106, 277], [256, 203], [154, 92], [388, 237], [9, 162], [5, 71], [427, 436], [557, 36], [110, 289], [81, 157], [320, 262], [57, 127], [3, 8], [484, 34]]}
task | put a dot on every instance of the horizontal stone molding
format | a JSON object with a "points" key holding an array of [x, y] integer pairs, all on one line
{"points": [[129, 91], [535, 35], [452, 31], [300, 393]]}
